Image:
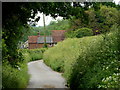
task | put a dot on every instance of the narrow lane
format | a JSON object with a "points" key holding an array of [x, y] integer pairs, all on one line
{"points": [[42, 76]]}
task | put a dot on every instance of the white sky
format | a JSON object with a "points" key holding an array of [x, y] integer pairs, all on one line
{"points": [[48, 19], [116, 1]]}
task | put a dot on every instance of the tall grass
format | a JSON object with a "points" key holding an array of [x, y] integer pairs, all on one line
{"points": [[34, 54], [89, 62], [18, 77], [15, 77], [57, 56]]}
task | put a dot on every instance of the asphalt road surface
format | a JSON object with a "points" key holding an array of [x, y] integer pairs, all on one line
{"points": [[42, 76]]}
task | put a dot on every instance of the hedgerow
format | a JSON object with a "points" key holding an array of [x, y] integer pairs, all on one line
{"points": [[88, 62], [34, 54], [17, 76]]}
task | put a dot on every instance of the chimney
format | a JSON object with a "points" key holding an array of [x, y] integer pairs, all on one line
{"points": [[38, 34]]}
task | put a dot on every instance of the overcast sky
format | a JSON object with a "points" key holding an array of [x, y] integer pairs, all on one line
{"points": [[48, 19]]}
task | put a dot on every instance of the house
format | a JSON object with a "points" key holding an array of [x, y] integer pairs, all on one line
{"points": [[38, 41], [58, 35], [23, 45]]}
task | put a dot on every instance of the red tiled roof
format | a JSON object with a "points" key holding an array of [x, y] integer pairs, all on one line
{"points": [[58, 35], [32, 39]]}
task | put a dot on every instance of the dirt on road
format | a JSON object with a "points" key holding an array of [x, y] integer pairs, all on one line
{"points": [[42, 76]]}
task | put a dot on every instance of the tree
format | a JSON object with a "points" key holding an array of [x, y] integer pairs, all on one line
{"points": [[100, 16], [19, 13], [103, 19], [14, 22], [82, 32]]}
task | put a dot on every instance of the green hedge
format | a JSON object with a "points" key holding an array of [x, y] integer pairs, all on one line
{"points": [[96, 64], [17, 76], [89, 62], [82, 32], [79, 33], [34, 54]]}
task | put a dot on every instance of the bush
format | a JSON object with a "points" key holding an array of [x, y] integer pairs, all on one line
{"points": [[15, 77], [95, 64], [62, 52], [87, 62], [34, 54], [79, 33], [82, 32]]}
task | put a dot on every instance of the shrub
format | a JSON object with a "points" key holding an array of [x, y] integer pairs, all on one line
{"points": [[96, 63], [70, 34], [15, 77], [87, 62], [82, 32], [34, 54], [79, 33], [62, 52]]}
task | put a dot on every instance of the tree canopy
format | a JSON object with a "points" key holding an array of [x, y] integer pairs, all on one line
{"points": [[17, 14]]}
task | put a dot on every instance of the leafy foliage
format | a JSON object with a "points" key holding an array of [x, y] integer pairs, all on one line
{"points": [[15, 77], [34, 54], [83, 32], [59, 25], [97, 62], [100, 20], [89, 62], [80, 50], [14, 23], [79, 33]]}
